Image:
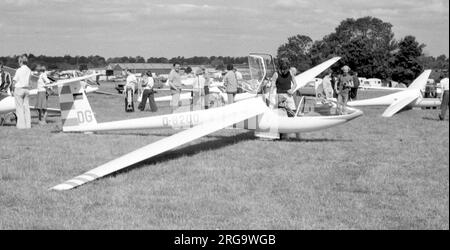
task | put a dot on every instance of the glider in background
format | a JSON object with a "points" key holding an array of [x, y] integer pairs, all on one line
{"points": [[411, 97]]}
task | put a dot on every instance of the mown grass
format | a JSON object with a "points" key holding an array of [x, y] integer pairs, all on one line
{"points": [[372, 173]]}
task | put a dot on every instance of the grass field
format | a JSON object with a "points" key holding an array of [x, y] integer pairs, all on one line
{"points": [[372, 173]]}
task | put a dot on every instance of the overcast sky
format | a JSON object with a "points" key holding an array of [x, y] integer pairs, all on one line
{"points": [[201, 27]]}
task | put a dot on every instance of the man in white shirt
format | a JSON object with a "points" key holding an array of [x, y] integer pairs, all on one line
{"points": [[445, 98], [148, 84], [21, 82], [175, 85]]}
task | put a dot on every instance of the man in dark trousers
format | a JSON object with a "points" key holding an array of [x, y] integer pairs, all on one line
{"points": [[354, 89], [148, 92], [445, 98]]}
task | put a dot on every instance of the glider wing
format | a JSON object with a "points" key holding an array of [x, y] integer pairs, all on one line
{"points": [[230, 115]]}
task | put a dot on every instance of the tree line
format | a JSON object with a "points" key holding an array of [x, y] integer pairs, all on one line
{"points": [[74, 62], [368, 46]]}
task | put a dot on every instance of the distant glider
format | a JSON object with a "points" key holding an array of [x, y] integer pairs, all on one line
{"points": [[410, 97]]}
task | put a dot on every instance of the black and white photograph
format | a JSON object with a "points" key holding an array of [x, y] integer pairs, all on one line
{"points": [[212, 115]]}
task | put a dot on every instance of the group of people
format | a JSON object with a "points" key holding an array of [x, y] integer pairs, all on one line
{"points": [[146, 92], [343, 87], [19, 86]]}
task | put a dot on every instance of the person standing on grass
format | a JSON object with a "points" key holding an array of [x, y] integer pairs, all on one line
{"points": [[21, 82], [206, 90], [147, 85], [175, 85], [345, 83], [42, 96], [198, 90], [230, 82], [445, 98], [354, 89], [327, 85], [130, 86]]}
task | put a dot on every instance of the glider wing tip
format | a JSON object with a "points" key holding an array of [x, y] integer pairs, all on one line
{"points": [[61, 187]]}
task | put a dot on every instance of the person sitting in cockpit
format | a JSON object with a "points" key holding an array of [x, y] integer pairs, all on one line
{"points": [[285, 85]]}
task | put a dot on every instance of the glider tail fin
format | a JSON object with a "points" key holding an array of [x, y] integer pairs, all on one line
{"points": [[421, 81], [76, 112]]}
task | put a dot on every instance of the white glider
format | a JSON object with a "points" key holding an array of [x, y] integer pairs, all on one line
{"points": [[251, 114], [410, 97]]}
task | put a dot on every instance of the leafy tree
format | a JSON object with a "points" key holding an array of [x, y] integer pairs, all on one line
{"points": [[365, 44], [297, 51], [406, 64]]}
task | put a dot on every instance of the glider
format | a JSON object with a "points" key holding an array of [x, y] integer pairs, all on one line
{"points": [[251, 114], [410, 97]]}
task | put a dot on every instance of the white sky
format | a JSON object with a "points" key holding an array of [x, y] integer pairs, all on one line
{"points": [[201, 27]]}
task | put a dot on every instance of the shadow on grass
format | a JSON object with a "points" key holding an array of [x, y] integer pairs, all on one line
{"points": [[191, 150], [317, 140], [436, 119]]}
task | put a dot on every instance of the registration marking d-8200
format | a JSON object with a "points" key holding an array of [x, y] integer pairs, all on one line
{"points": [[185, 120]]}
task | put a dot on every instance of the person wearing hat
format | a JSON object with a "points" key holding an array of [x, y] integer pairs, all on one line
{"points": [[230, 82], [147, 85], [198, 92], [21, 83], [344, 86], [42, 96]]}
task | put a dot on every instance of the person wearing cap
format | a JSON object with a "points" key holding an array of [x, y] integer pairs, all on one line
{"points": [[445, 98], [21, 82], [344, 85], [230, 82], [285, 84], [147, 85], [42, 96]]}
